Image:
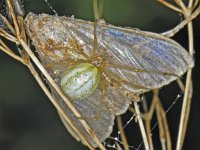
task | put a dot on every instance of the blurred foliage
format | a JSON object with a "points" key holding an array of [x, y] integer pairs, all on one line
{"points": [[27, 118], [143, 14]]}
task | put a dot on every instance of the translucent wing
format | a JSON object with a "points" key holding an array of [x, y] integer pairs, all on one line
{"points": [[145, 60]]}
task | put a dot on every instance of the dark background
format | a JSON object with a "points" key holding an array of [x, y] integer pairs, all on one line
{"points": [[29, 121]]}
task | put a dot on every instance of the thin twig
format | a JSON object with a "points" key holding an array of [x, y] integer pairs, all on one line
{"points": [[9, 4], [190, 4], [184, 111], [167, 4], [180, 84], [186, 100], [176, 29], [9, 37], [160, 126], [165, 138], [11, 54], [118, 147], [98, 8], [148, 117], [132, 110], [187, 114], [148, 131], [144, 136], [181, 5], [7, 24], [14, 18], [122, 134], [166, 128]]}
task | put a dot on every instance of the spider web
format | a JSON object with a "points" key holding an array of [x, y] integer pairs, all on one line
{"points": [[113, 140]]}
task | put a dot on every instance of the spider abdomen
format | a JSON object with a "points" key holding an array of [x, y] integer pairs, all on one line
{"points": [[80, 80]]}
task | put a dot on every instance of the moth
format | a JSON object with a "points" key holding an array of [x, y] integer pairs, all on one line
{"points": [[127, 62]]}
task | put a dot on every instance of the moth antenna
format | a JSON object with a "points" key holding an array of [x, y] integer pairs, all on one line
{"points": [[49, 5]]}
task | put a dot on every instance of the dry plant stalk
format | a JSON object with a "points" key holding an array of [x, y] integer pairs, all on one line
{"points": [[156, 105], [186, 11], [19, 37]]}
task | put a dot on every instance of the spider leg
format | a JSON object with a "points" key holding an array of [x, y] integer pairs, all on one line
{"points": [[66, 63], [139, 70], [103, 88], [77, 48], [95, 39], [116, 80]]}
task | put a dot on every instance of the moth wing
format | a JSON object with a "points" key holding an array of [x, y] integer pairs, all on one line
{"points": [[145, 60]]}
